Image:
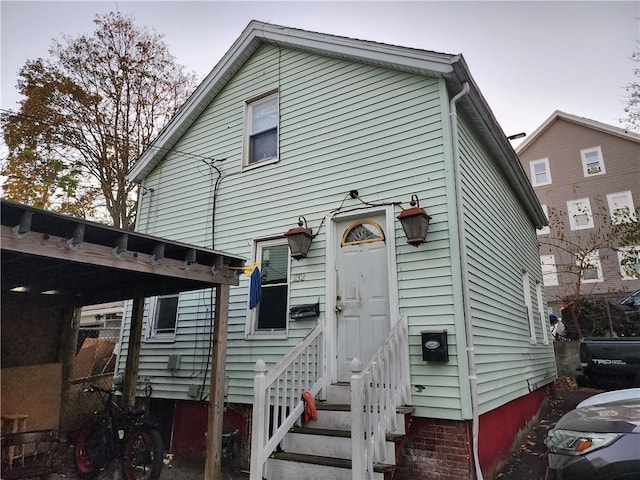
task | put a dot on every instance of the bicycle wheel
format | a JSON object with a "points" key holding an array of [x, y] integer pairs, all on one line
{"points": [[143, 454], [91, 450]]}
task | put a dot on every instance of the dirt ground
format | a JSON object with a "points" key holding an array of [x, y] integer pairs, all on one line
{"points": [[525, 463]]}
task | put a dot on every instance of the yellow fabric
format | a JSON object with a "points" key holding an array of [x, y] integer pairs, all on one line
{"points": [[248, 270]]}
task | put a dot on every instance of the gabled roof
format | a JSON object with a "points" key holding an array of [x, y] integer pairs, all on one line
{"points": [[585, 122], [452, 68]]}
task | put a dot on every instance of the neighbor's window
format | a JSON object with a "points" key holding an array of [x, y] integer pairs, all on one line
{"points": [[261, 130], [549, 270], [163, 316], [629, 260], [270, 315], [591, 268], [544, 230], [526, 289], [592, 162], [540, 173], [580, 214], [621, 207]]}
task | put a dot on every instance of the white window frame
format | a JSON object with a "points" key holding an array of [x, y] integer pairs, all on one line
{"points": [[532, 165], [625, 252], [251, 332], [248, 133], [526, 290], [152, 334], [596, 170], [594, 259], [549, 270], [580, 206], [543, 316], [544, 230], [614, 206]]}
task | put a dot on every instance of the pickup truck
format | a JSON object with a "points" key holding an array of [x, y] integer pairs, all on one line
{"points": [[609, 363]]}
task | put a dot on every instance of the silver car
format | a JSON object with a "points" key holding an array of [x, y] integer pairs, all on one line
{"points": [[598, 440]]}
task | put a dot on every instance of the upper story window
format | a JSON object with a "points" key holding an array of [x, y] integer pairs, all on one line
{"points": [[621, 207], [540, 172], [549, 270], [269, 317], [591, 268], [629, 260], [580, 216], [261, 130], [592, 161], [163, 317], [544, 230]]}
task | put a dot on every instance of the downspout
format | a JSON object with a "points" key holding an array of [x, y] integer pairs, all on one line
{"points": [[473, 378]]}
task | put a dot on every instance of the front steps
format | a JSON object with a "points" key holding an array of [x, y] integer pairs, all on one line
{"points": [[321, 449]]}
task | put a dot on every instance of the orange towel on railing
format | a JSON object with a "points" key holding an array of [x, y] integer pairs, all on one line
{"points": [[310, 412]]}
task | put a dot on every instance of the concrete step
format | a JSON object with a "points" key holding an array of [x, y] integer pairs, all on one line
{"points": [[338, 417], [339, 393], [329, 443], [295, 466]]}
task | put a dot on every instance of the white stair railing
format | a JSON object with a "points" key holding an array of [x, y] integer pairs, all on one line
{"points": [[278, 396], [376, 393]]}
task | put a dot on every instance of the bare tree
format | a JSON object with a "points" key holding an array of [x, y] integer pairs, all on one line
{"points": [[89, 111], [632, 95], [580, 251]]}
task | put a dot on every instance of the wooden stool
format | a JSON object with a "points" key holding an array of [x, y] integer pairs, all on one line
{"points": [[16, 423]]}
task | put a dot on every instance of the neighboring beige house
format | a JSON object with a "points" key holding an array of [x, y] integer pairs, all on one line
{"points": [[583, 172]]}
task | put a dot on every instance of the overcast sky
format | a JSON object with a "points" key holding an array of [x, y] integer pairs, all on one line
{"points": [[528, 58]]}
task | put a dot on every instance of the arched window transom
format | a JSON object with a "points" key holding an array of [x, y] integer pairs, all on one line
{"points": [[362, 231]]}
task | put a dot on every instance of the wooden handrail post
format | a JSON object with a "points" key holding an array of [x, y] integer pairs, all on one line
{"points": [[358, 467], [258, 422]]}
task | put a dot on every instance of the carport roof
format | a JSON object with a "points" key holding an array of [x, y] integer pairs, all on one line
{"points": [[88, 263]]}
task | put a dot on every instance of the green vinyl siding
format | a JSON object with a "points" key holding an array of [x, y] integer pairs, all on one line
{"points": [[343, 126], [501, 244]]}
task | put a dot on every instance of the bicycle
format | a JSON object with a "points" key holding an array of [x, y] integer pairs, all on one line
{"points": [[123, 433]]}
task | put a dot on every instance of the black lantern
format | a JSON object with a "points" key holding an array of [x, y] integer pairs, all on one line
{"points": [[415, 222], [299, 239]]}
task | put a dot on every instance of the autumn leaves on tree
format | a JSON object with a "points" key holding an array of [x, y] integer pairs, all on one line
{"points": [[88, 112]]}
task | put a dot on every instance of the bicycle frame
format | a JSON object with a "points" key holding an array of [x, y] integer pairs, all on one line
{"points": [[111, 436]]}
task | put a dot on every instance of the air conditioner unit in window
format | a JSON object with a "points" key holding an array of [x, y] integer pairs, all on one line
{"points": [[595, 169]]}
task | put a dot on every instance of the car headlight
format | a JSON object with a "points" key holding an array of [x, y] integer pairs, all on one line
{"points": [[569, 442]]}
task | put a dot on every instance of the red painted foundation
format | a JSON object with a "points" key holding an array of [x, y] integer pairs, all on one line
{"points": [[499, 429], [190, 430], [434, 449]]}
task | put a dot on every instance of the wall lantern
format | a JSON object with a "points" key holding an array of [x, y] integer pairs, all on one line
{"points": [[299, 239], [415, 222]]}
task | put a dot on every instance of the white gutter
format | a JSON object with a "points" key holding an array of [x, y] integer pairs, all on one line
{"points": [[471, 358]]}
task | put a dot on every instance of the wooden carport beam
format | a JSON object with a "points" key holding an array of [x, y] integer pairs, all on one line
{"points": [[94, 254], [133, 352], [213, 464]]}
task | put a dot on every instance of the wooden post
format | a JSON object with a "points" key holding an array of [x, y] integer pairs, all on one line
{"points": [[68, 344], [358, 467], [212, 467], [258, 422], [133, 352]]}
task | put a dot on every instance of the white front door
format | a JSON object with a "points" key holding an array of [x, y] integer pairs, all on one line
{"points": [[362, 291]]}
